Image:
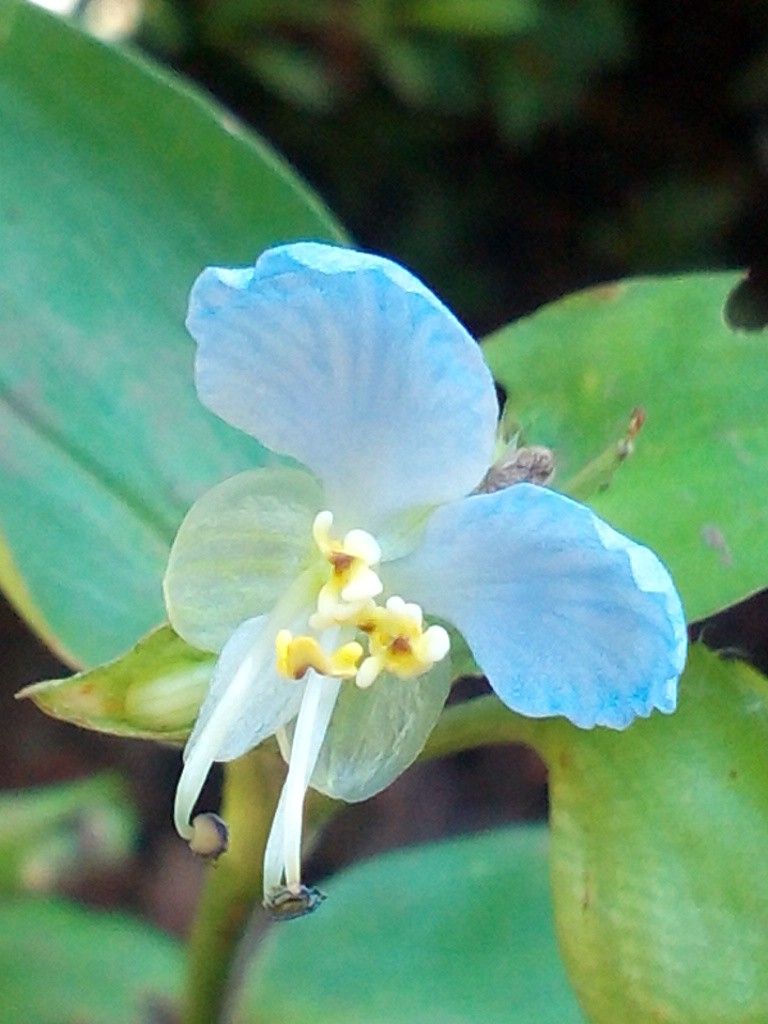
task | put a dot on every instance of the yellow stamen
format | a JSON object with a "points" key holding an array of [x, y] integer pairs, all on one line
{"points": [[398, 642], [352, 582], [297, 655]]}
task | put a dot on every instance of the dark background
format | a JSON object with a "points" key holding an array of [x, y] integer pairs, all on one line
{"points": [[517, 153]]}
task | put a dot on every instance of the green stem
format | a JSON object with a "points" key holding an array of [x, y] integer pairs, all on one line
{"points": [[598, 473], [234, 884], [482, 722]]}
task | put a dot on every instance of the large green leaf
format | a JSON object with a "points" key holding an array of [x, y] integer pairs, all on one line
{"points": [[61, 964], [458, 931], [659, 856], [117, 185], [696, 488]]}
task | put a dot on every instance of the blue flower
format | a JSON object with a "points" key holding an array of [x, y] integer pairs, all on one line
{"points": [[330, 584]]}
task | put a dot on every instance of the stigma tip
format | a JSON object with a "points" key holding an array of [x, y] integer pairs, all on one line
{"points": [[210, 836], [284, 904]]}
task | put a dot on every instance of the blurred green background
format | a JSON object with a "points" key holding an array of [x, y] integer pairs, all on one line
{"points": [[509, 150]]}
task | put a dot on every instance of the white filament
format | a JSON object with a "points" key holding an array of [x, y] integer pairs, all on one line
{"points": [[282, 857]]}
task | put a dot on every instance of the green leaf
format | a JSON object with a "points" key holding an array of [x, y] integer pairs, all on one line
{"points": [[695, 487], [47, 833], [429, 72], [152, 692], [61, 964], [117, 185], [481, 18], [458, 931], [659, 839]]}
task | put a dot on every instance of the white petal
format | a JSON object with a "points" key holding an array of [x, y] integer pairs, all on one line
{"points": [[246, 702], [376, 733]]}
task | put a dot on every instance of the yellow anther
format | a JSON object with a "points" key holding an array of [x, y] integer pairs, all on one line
{"points": [[295, 656], [398, 642], [352, 582]]}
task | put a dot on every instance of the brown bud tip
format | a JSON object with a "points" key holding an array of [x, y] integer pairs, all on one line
{"points": [[210, 836], [533, 464], [636, 421], [285, 904]]}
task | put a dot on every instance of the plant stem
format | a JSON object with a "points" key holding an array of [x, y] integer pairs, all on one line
{"points": [[234, 884], [482, 722]]}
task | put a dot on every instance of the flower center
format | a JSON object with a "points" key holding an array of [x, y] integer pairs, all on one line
{"points": [[393, 633]]}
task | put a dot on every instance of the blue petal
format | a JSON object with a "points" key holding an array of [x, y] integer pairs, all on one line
{"points": [[348, 363], [563, 614]]}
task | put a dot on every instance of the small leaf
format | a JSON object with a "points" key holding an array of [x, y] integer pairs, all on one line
{"points": [[60, 964], [659, 839], [457, 931], [50, 832], [695, 487], [152, 692]]}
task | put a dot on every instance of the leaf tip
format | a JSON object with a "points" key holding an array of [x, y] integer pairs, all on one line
{"points": [[746, 307]]}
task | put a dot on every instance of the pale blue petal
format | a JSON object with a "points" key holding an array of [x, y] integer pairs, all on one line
{"points": [[348, 363], [375, 734], [563, 614]]}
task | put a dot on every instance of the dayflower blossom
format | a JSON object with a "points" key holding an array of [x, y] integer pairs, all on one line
{"points": [[330, 584]]}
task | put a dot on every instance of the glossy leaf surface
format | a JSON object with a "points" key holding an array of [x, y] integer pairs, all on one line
{"points": [[117, 185], [61, 963], [458, 931], [658, 846], [696, 487]]}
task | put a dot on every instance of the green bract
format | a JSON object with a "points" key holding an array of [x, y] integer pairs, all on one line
{"points": [[152, 692]]}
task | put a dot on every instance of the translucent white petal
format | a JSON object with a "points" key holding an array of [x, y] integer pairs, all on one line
{"points": [[376, 733], [246, 702], [240, 546], [348, 363], [563, 614]]}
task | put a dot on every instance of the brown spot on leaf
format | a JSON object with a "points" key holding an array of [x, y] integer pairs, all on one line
{"points": [[714, 538], [607, 292]]}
